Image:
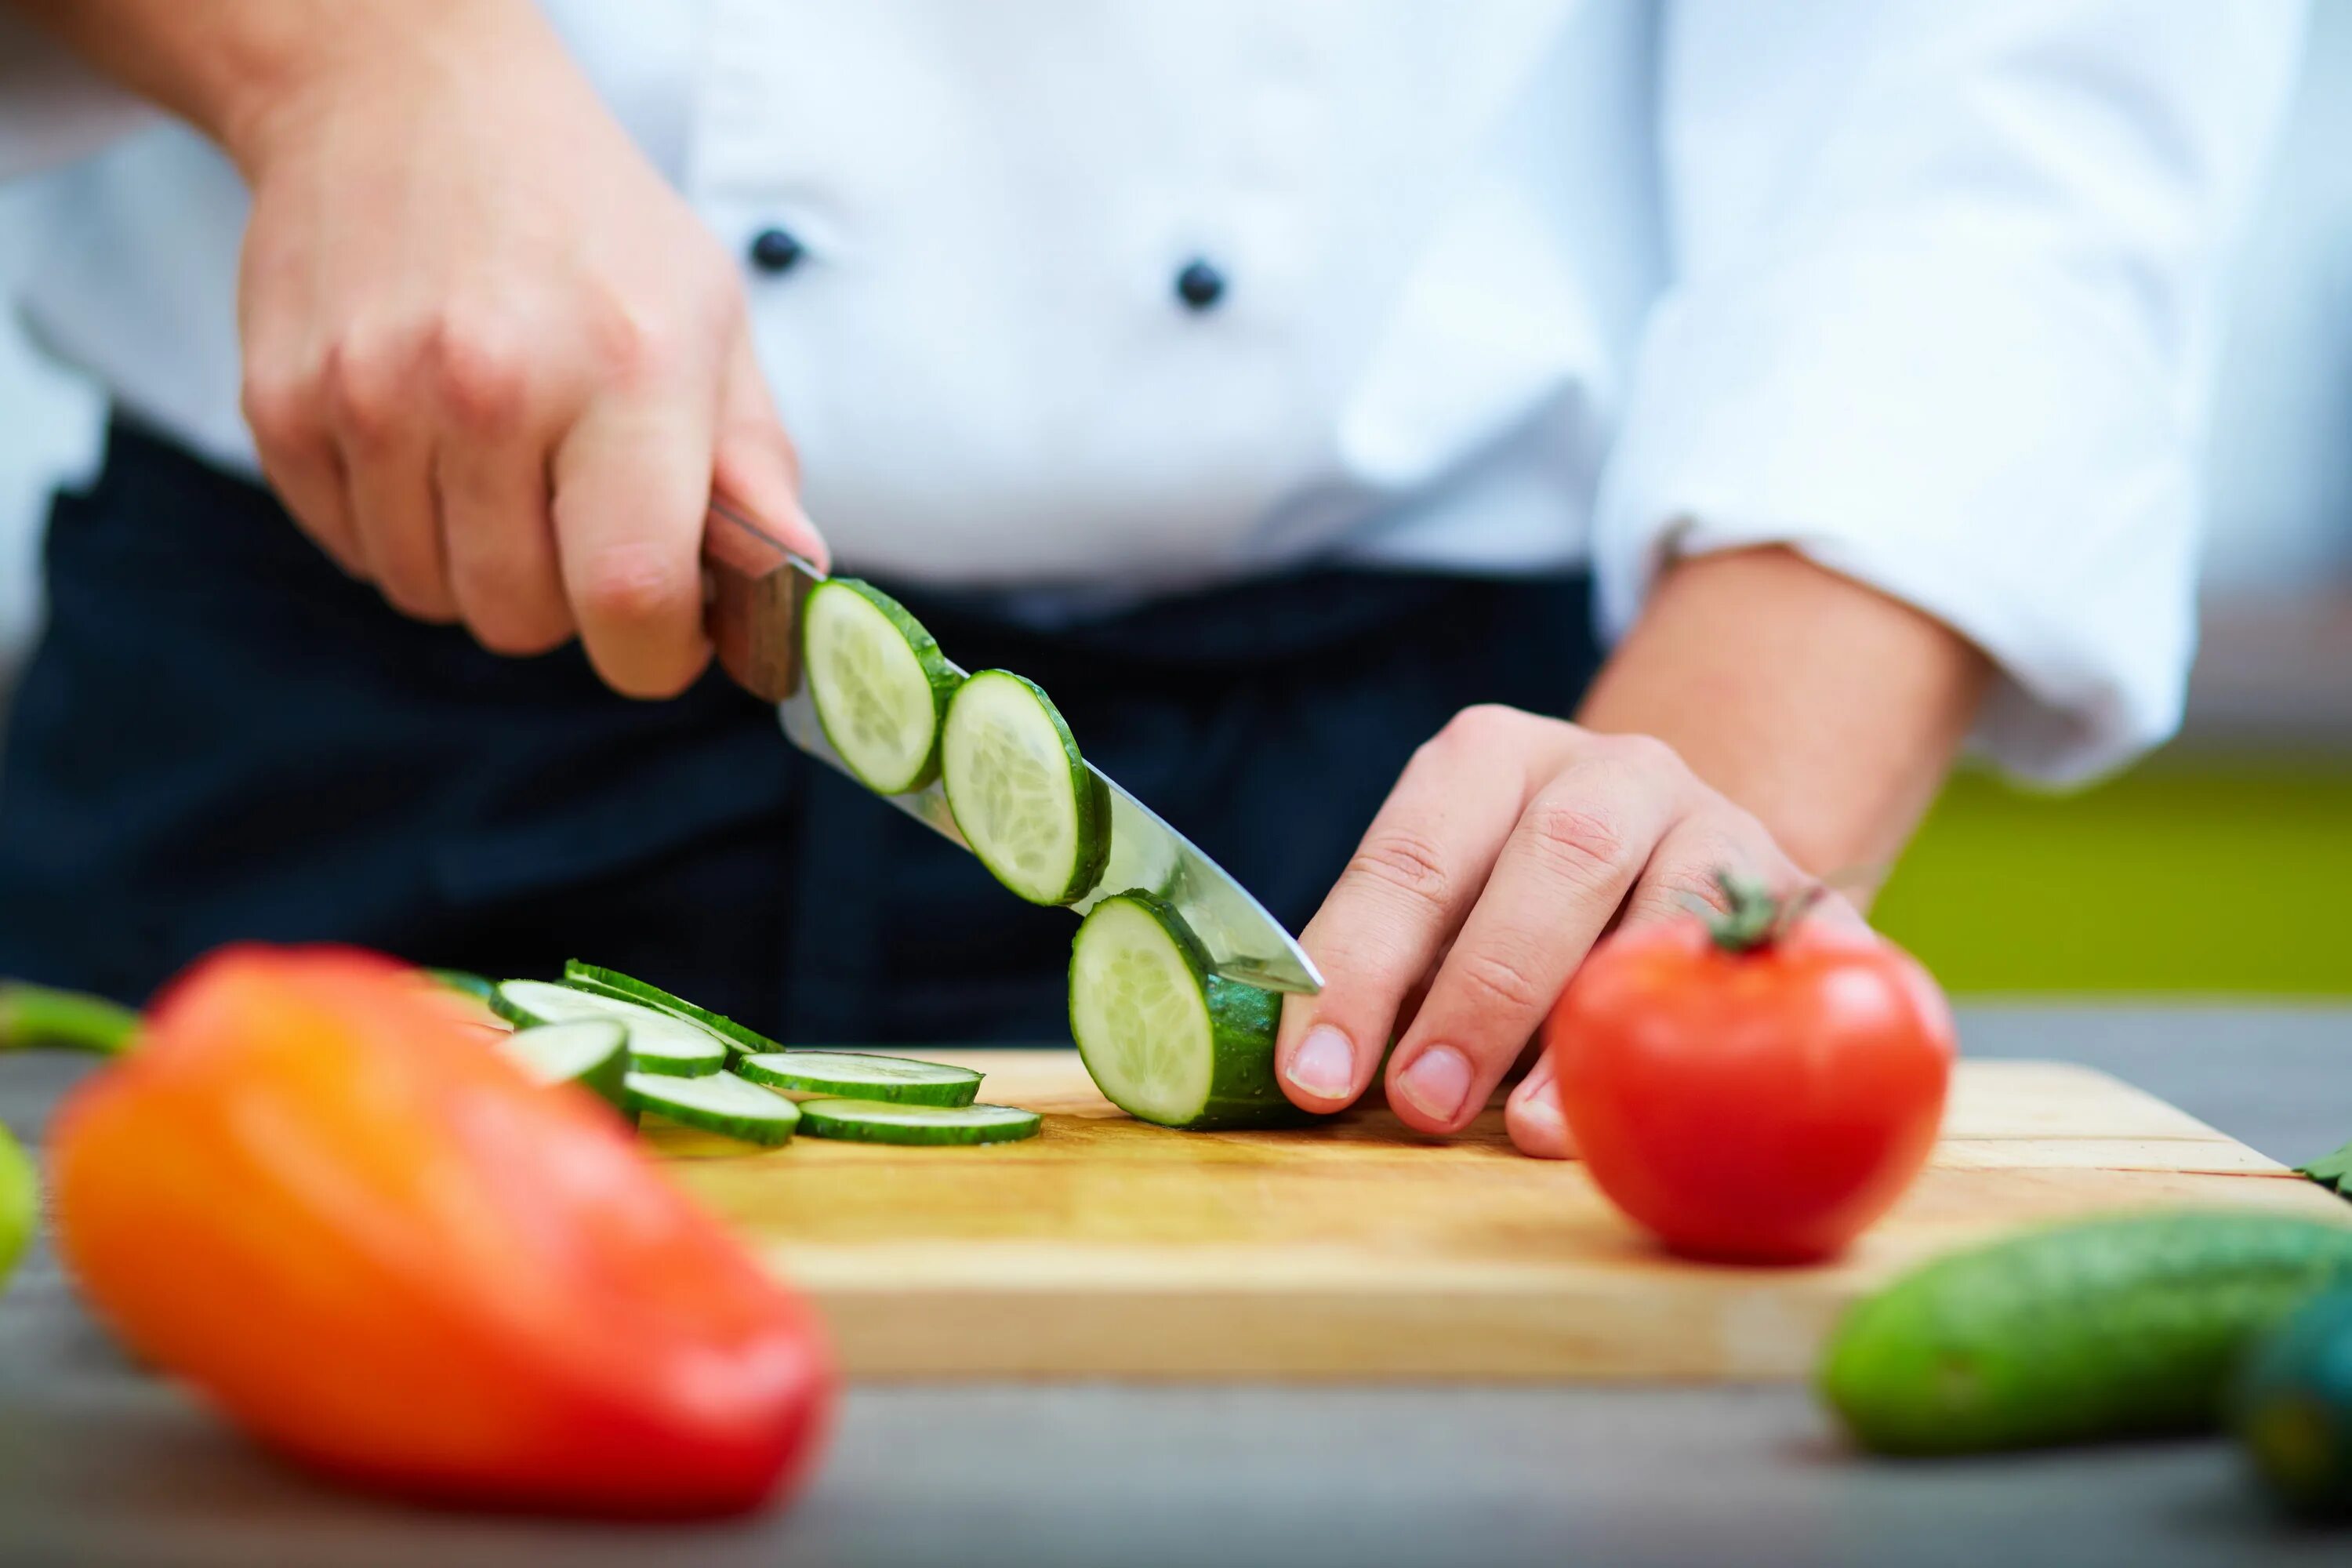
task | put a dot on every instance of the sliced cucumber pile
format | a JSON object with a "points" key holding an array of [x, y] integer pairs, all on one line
{"points": [[890, 1121], [861, 1075], [602, 982], [720, 1102], [659, 1042], [1023, 798], [1164, 1040], [591, 1052], [880, 683]]}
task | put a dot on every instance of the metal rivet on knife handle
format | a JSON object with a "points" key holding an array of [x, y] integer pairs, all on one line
{"points": [[754, 605]]}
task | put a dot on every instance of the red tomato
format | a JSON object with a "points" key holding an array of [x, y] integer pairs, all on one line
{"points": [[1763, 1105]]}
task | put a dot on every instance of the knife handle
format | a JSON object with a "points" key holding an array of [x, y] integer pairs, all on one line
{"points": [[753, 610]]}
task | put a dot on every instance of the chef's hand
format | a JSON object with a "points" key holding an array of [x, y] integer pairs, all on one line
{"points": [[1509, 846], [1828, 709], [493, 364]]}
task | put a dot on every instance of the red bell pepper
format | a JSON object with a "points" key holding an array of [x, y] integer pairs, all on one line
{"points": [[388, 1255]]}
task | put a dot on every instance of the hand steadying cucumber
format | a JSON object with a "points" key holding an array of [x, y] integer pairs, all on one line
{"points": [[880, 683], [659, 1042], [1163, 1040]]}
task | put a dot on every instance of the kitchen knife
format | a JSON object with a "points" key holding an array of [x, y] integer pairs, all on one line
{"points": [[756, 589]]}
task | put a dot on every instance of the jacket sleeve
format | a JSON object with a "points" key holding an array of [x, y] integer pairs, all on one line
{"points": [[53, 108], [1945, 303]]}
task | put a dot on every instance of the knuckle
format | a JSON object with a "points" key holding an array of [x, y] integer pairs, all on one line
{"points": [[634, 584], [632, 345], [482, 376], [1646, 755], [1499, 981], [1481, 725], [364, 394], [1405, 865], [1583, 845], [282, 410]]}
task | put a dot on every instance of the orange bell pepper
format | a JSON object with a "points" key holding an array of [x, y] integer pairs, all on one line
{"points": [[387, 1254]]}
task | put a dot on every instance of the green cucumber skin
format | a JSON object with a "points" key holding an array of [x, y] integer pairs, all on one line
{"points": [[1093, 807], [2104, 1329], [936, 669], [465, 981], [948, 1096], [1244, 1092], [604, 1079], [766, 1135], [2291, 1407], [20, 1193], [590, 977], [817, 1125], [524, 1017], [36, 1017]]}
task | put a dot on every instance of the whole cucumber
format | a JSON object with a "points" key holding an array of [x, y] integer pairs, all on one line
{"points": [[19, 1202], [2101, 1329], [2291, 1406]]}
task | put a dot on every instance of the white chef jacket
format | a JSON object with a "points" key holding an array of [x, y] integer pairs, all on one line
{"points": [[1927, 289]]}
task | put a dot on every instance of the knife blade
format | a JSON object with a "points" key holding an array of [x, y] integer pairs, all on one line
{"points": [[757, 588]]}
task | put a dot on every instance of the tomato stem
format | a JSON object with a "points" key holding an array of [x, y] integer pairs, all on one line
{"points": [[1754, 916]]}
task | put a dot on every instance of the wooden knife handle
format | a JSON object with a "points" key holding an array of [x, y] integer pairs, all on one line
{"points": [[753, 610]]}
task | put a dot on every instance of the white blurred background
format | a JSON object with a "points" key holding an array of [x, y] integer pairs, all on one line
{"points": [[2279, 643]]}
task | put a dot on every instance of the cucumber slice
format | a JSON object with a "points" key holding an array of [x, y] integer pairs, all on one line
{"points": [[887, 1121], [658, 1042], [720, 1102], [462, 980], [1023, 798], [880, 683], [861, 1075], [601, 982], [591, 1052], [1164, 1040]]}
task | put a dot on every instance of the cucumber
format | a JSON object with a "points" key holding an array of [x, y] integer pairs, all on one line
{"points": [[861, 1075], [35, 1017], [1023, 798], [716, 1102], [604, 981], [1163, 1040], [889, 1122], [591, 1052], [462, 980], [2292, 1407], [879, 684], [659, 1042], [19, 1204], [2104, 1329]]}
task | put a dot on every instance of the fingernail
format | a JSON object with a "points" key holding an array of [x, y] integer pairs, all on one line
{"points": [[1437, 1082], [1324, 1065]]}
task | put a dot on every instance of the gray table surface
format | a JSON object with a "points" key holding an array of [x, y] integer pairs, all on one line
{"points": [[102, 1464]]}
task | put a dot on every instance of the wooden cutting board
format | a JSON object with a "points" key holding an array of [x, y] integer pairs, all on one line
{"points": [[1356, 1250]]}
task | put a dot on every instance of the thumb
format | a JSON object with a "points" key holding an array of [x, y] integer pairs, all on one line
{"points": [[753, 465]]}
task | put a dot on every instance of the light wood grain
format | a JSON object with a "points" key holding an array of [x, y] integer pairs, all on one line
{"points": [[1355, 1249]]}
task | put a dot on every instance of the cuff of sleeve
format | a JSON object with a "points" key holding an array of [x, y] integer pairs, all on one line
{"points": [[53, 109], [2002, 449]]}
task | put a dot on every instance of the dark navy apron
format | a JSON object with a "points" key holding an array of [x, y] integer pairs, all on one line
{"points": [[220, 737]]}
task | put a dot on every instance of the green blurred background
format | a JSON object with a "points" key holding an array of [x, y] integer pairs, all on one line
{"points": [[2196, 872]]}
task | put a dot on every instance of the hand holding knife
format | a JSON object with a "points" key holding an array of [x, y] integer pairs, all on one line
{"points": [[757, 587]]}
